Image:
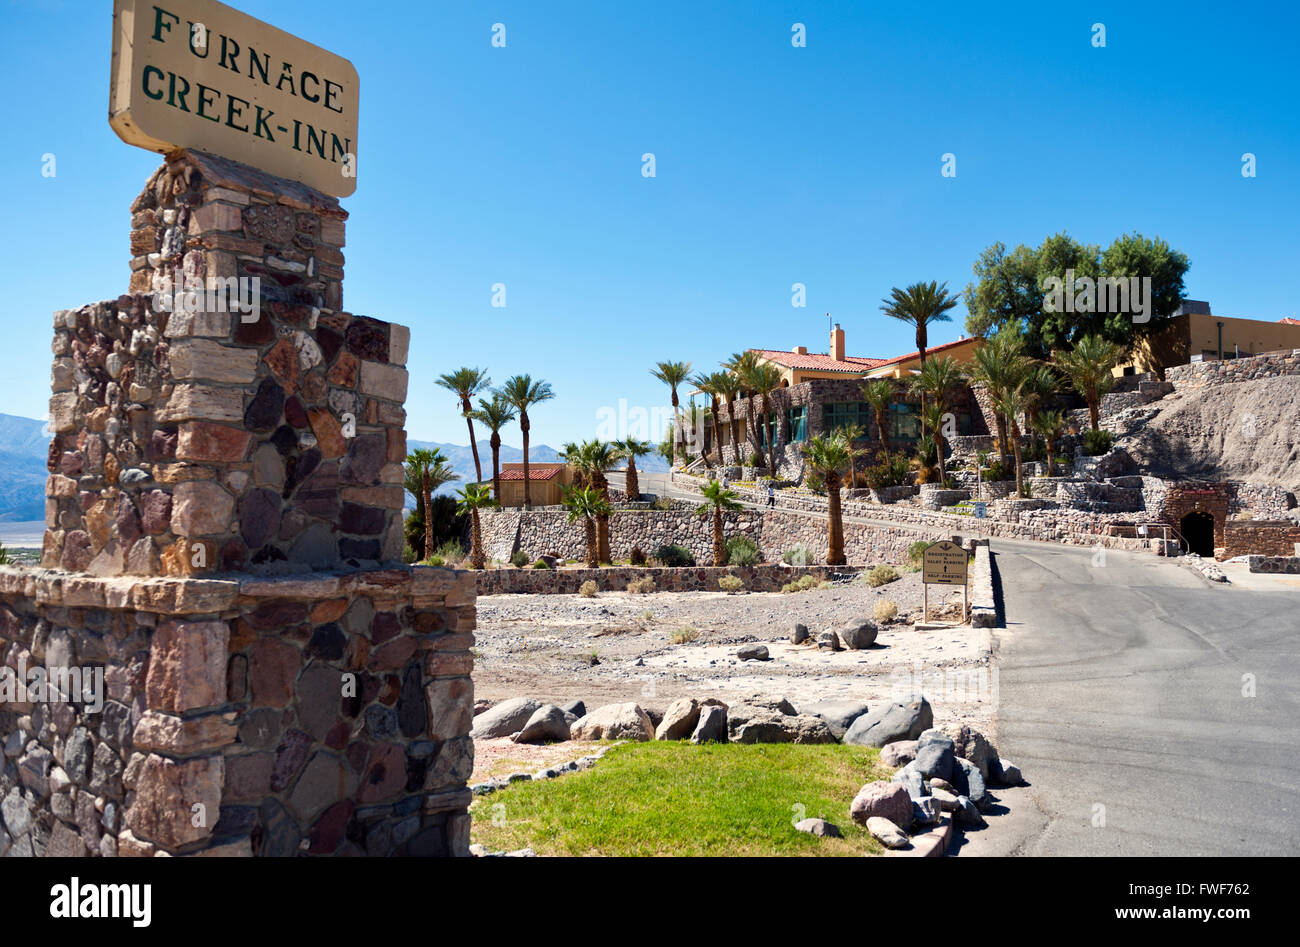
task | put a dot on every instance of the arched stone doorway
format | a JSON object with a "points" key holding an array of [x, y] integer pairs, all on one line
{"points": [[1197, 528]]}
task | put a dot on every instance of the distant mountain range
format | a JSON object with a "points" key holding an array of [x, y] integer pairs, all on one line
{"points": [[24, 449]]}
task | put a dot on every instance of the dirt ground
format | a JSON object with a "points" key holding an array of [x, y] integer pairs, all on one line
{"points": [[654, 648]]}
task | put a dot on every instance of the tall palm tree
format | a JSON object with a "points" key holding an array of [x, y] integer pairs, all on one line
{"points": [[594, 459], [851, 433], [587, 504], [1013, 404], [1051, 425], [717, 500], [742, 365], [707, 382], [631, 448], [919, 305], [427, 470], [765, 378], [828, 456], [673, 374], [466, 383], [1000, 365], [495, 414], [473, 498], [522, 392], [1088, 366], [937, 378], [879, 393], [729, 388]]}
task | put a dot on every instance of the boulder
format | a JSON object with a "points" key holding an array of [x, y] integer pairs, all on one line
{"points": [[891, 722], [934, 754], [970, 744], [712, 725], [757, 704], [858, 635], [830, 641], [799, 636], [947, 801], [1008, 773], [910, 778], [838, 714], [769, 727], [926, 811], [966, 813], [505, 719], [898, 753], [887, 800], [575, 707], [887, 833], [937, 783], [753, 652], [819, 827], [547, 724], [967, 781], [614, 722], [679, 720]]}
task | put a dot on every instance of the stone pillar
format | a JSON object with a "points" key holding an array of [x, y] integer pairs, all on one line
{"points": [[223, 553]]}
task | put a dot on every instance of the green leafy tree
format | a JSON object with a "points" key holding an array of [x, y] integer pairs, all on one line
{"points": [[466, 383], [829, 458], [427, 470], [717, 501], [473, 498], [587, 504], [522, 392], [495, 414], [673, 374]]}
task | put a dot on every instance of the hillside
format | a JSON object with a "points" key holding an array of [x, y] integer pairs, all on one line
{"points": [[1246, 431], [23, 450]]}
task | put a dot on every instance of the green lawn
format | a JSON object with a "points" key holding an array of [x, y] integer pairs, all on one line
{"points": [[671, 798]]}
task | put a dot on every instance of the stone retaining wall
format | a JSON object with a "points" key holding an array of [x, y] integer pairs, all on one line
{"points": [[765, 578], [1277, 565], [1232, 370], [1260, 538]]}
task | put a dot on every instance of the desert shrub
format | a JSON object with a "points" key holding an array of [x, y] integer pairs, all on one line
{"points": [[998, 471], [1097, 443], [636, 556], [642, 586], [927, 475], [674, 555], [731, 583], [797, 555], [742, 551], [541, 564], [756, 460], [884, 610], [519, 559], [433, 561], [881, 575], [802, 584], [450, 551], [890, 470], [916, 551], [587, 589], [683, 635], [663, 503]]}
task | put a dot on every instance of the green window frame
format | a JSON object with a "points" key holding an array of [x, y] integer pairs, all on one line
{"points": [[796, 420], [838, 414]]}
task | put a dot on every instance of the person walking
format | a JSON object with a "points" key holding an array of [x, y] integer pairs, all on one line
{"points": [[771, 495]]}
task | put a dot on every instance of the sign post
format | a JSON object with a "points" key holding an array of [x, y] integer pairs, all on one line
{"points": [[943, 563]]}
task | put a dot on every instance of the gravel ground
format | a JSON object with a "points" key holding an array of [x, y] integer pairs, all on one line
{"points": [[619, 647]]}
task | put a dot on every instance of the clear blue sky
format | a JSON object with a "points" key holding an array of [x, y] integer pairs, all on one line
{"points": [[775, 165]]}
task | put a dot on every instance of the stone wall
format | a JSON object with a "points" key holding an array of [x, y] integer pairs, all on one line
{"points": [[320, 714], [1232, 370], [1260, 538], [765, 578]]}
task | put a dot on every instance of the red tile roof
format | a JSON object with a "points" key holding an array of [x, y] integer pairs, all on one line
{"points": [[852, 364], [1288, 321], [931, 350], [535, 471]]}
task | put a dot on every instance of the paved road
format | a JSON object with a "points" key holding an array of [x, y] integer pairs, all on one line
{"points": [[1121, 686]]}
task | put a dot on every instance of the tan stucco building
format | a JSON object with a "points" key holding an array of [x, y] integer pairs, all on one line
{"points": [[1195, 333]]}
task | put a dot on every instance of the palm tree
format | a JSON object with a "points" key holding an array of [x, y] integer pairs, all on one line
{"points": [[473, 498], [729, 387], [673, 374], [587, 504], [937, 378], [466, 383], [631, 448], [765, 378], [495, 414], [1013, 404], [427, 470], [1051, 425], [829, 457], [594, 459], [851, 433], [522, 392], [708, 384], [742, 365], [919, 305], [716, 499], [1000, 365], [879, 393], [1088, 366]]}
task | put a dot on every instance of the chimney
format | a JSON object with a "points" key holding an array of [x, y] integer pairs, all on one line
{"points": [[800, 350], [837, 343]]}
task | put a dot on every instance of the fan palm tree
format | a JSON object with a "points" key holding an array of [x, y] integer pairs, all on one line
{"points": [[522, 392], [919, 305], [1088, 366], [879, 393], [765, 378], [631, 448], [466, 383], [495, 415], [742, 365], [426, 470], [829, 458], [473, 498], [594, 459], [587, 504], [851, 433], [937, 378], [708, 384], [717, 500], [729, 388], [673, 374], [1051, 425], [1000, 365], [1013, 404]]}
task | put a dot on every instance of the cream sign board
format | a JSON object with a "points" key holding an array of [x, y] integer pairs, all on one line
{"points": [[199, 74]]}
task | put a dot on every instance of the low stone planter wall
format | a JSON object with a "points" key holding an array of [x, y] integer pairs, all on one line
{"points": [[765, 578], [935, 497], [1276, 565], [887, 495], [997, 489]]}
